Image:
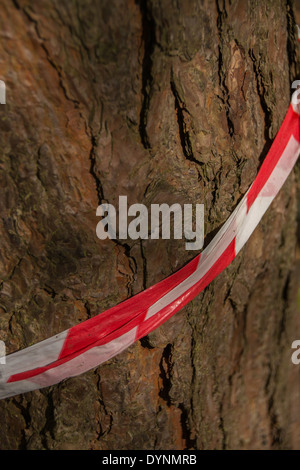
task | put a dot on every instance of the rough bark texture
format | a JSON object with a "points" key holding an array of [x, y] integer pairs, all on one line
{"points": [[162, 101]]}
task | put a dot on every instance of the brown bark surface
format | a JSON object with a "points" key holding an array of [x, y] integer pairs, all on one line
{"points": [[162, 101]]}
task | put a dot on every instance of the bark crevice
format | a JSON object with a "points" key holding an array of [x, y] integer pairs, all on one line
{"points": [[149, 42]]}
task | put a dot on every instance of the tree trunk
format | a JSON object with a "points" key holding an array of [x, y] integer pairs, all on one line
{"points": [[169, 101]]}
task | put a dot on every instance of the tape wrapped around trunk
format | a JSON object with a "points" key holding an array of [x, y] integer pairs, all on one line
{"points": [[98, 339]]}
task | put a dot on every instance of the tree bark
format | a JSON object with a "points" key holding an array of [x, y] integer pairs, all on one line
{"points": [[169, 101]]}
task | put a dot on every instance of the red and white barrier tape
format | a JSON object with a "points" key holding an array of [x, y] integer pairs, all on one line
{"points": [[98, 339]]}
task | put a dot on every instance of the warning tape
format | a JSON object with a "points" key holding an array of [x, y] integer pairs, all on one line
{"points": [[94, 341]]}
